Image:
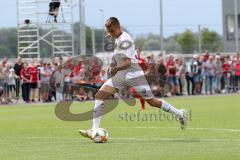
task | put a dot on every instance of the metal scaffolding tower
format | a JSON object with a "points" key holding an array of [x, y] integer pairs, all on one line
{"points": [[36, 27]]}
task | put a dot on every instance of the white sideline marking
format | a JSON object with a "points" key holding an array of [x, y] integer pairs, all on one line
{"points": [[136, 139], [142, 127], [206, 129]]}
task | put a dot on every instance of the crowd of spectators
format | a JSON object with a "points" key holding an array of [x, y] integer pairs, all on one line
{"points": [[202, 74], [58, 80], [80, 78]]}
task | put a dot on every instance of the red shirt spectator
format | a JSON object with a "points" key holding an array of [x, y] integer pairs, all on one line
{"points": [[142, 62], [25, 75], [237, 69], [78, 67], [71, 74], [70, 65], [225, 68], [96, 69], [206, 56], [33, 71], [172, 70]]}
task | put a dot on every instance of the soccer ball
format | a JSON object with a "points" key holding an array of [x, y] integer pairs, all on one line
{"points": [[100, 135]]}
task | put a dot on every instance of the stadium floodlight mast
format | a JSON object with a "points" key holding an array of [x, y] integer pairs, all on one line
{"points": [[93, 42], [103, 21], [199, 39], [161, 28], [161, 24], [82, 27], [236, 25]]}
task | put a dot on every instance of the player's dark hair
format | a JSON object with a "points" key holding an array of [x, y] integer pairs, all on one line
{"points": [[112, 21]]}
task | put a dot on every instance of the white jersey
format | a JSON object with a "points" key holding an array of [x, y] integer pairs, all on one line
{"points": [[125, 47], [124, 44], [132, 76]]}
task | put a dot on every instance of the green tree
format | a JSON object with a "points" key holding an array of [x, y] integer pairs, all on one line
{"points": [[98, 39], [151, 44], [171, 45], [187, 42], [139, 41], [8, 41], [4, 50], [211, 41]]}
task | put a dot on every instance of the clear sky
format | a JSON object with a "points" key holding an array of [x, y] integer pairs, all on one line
{"points": [[140, 16]]}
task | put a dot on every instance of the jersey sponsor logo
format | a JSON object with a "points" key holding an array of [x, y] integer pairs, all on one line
{"points": [[124, 45]]}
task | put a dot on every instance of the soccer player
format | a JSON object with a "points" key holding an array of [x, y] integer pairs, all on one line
{"points": [[126, 72]]}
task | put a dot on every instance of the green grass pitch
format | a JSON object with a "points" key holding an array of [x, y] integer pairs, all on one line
{"points": [[34, 133]]}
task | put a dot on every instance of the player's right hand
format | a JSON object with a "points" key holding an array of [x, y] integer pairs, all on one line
{"points": [[113, 71]]}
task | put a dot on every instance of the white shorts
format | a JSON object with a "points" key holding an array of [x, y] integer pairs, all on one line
{"points": [[139, 83]]}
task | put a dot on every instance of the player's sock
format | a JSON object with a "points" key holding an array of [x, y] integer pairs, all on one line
{"points": [[97, 114], [142, 101], [169, 108]]}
